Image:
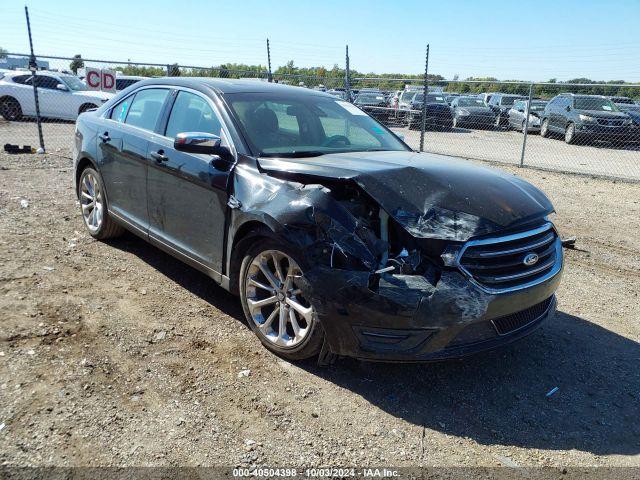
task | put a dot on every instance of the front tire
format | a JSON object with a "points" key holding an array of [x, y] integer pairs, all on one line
{"points": [[544, 128], [570, 136], [86, 106], [277, 311], [93, 205]]}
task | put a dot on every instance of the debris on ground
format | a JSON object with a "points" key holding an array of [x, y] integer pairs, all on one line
{"points": [[13, 149], [552, 391], [24, 203], [244, 373]]}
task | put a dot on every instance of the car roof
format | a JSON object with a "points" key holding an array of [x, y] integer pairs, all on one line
{"points": [[230, 85]]}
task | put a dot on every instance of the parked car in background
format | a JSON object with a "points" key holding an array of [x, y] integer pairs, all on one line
{"points": [[517, 115], [60, 96], [632, 109], [450, 97], [336, 236], [583, 118], [471, 112], [404, 101], [501, 103], [438, 112], [338, 93], [485, 97], [124, 81], [373, 103]]}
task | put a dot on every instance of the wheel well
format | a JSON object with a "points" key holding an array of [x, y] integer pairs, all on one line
{"points": [[82, 164], [246, 235], [86, 106], [9, 97]]}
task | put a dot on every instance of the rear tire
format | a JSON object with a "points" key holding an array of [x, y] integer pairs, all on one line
{"points": [[10, 109], [93, 206], [293, 342]]}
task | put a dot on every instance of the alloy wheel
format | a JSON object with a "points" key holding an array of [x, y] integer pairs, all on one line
{"points": [[569, 133], [91, 201], [275, 302]]}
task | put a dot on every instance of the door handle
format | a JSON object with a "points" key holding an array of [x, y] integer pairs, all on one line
{"points": [[105, 137], [159, 156]]}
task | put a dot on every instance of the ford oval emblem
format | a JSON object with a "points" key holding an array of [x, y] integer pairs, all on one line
{"points": [[530, 259]]}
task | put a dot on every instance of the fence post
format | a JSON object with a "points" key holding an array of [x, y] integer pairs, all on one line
{"points": [[347, 81], [33, 66], [526, 125], [424, 101], [269, 75]]}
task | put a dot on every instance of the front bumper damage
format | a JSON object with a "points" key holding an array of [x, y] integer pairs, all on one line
{"points": [[407, 318], [432, 313]]}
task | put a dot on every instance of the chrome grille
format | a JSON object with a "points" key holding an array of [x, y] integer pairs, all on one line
{"points": [[498, 263]]}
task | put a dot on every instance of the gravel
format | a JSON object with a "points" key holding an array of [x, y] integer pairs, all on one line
{"points": [[117, 354]]}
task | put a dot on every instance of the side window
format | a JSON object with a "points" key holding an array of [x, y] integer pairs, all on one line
{"points": [[22, 79], [518, 106], [146, 107], [192, 113], [119, 112], [50, 83]]}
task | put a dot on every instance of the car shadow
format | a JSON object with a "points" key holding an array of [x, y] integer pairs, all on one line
{"points": [[493, 398], [187, 277], [500, 397]]}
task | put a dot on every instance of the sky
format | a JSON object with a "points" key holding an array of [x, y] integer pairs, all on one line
{"points": [[524, 40]]}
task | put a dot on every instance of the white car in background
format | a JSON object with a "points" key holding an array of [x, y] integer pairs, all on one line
{"points": [[61, 96]]}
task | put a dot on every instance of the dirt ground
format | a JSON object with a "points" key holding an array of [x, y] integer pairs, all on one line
{"points": [[117, 354]]}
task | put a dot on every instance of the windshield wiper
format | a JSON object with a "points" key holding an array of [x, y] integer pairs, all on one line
{"points": [[301, 154]]}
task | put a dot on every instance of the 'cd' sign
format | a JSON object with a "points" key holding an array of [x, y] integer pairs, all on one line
{"points": [[100, 79]]}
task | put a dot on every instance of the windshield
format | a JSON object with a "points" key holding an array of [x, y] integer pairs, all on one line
{"points": [[307, 125], [595, 103], [74, 83], [470, 102]]}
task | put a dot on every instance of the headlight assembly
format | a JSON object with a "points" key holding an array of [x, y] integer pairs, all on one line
{"points": [[586, 118], [462, 112]]}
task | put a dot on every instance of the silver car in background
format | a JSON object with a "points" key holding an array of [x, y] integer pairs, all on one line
{"points": [[517, 115]]}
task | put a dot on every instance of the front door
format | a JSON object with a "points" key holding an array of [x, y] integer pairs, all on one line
{"points": [[187, 193]]}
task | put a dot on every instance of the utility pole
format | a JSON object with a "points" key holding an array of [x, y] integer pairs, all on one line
{"points": [[424, 103], [347, 81], [33, 66], [269, 76]]}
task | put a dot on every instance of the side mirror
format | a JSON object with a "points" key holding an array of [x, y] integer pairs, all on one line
{"points": [[62, 87], [568, 108], [200, 142], [521, 110]]}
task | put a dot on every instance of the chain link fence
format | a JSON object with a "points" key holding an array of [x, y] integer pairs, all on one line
{"points": [[580, 128]]}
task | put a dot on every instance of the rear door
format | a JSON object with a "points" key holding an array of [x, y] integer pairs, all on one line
{"points": [[187, 192], [122, 149], [51, 100]]}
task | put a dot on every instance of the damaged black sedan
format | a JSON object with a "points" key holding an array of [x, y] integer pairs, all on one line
{"points": [[338, 238]]}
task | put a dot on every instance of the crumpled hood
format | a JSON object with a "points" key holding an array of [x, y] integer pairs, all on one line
{"points": [[431, 196]]}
